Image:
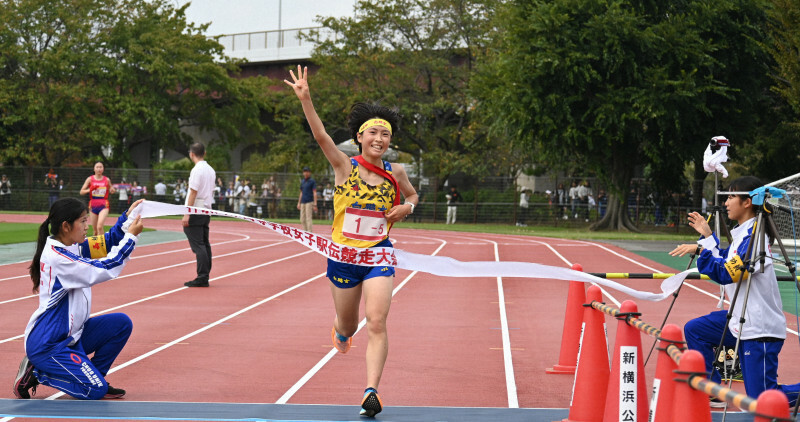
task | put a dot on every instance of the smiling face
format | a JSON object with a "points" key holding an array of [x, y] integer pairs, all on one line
{"points": [[374, 141]]}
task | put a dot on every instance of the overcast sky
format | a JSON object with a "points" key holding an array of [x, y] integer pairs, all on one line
{"points": [[237, 16]]}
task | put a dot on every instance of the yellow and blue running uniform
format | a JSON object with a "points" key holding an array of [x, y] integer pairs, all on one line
{"points": [[359, 221]]}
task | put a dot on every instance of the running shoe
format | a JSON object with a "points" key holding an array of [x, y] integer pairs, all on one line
{"points": [[114, 393], [25, 380], [371, 403], [340, 342], [716, 403]]}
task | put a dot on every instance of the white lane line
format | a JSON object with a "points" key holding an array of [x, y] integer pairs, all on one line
{"points": [[569, 264], [511, 383], [165, 293], [211, 325], [245, 238], [331, 353], [163, 268], [508, 363]]}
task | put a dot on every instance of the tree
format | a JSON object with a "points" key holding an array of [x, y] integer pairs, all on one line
{"points": [[417, 56], [776, 155], [786, 49], [613, 84], [77, 76]]}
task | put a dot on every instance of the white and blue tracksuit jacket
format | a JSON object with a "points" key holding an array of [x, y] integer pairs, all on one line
{"points": [[764, 310], [65, 295]]}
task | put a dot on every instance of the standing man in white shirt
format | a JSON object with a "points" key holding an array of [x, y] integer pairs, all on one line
{"points": [[161, 191], [201, 191]]}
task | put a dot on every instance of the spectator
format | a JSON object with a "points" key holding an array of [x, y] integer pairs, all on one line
{"points": [[275, 196], [327, 201], [574, 199], [252, 200], [219, 194], [230, 197], [244, 198], [161, 191], [561, 195], [584, 194], [5, 192], [453, 198], [137, 192], [602, 202], [53, 190], [183, 190], [307, 201], [122, 188], [238, 193], [522, 216], [176, 192]]}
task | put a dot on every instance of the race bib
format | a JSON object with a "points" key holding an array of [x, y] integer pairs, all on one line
{"points": [[99, 192], [363, 224]]}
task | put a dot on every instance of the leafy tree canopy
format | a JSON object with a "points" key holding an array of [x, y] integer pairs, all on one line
{"points": [[615, 84], [77, 76], [416, 56]]}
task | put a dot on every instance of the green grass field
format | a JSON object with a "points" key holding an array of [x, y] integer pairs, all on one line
{"points": [[582, 233], [24, 232], [18, 232]]}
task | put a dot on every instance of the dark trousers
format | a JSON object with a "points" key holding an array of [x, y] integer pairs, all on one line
{"points": [[197, 233]]}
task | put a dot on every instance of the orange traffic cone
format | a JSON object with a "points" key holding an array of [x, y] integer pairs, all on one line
{"points": [[772, 405], [690, 405], [664, 382], [626, 399], [571, 336], [591, 376]]}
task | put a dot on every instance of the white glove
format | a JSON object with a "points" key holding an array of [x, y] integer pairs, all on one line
{"points": [[712, 161]]}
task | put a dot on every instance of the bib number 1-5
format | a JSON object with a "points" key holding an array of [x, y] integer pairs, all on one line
{"points": [[362, 224]]}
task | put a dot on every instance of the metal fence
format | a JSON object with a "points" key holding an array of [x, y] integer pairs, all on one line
{"points": [[487, 200]]}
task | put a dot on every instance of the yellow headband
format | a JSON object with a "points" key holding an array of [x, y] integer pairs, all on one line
{"points": [[375, 122]]}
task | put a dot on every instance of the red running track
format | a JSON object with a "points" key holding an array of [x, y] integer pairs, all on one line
{"points": [[261, 332]]}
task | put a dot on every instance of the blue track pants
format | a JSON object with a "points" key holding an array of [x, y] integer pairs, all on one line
{"points": [[758, 359], [69, 369]]}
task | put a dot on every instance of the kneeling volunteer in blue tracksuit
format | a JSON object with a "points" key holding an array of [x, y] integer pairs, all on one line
{"points": [[764, 330], [60, 335]]}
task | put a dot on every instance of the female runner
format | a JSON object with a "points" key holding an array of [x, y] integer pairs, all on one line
{"points": [[98, 186], [365, 203]]}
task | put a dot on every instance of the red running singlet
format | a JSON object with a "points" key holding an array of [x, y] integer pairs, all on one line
{"points": [[98, 193]]}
